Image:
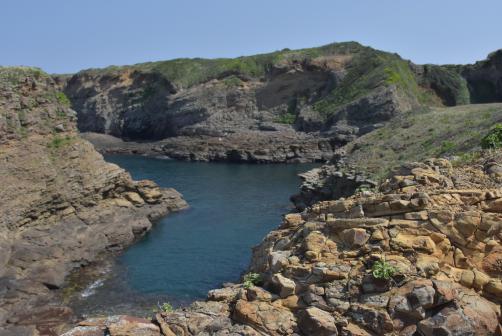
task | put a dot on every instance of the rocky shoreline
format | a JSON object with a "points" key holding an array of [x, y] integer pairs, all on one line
{"points": [[437, 228], [61, 206], [245, 147]]}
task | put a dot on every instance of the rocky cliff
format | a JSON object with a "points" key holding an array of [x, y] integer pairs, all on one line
{"points": [[250, 108], [420, 255], [61, 204], [284, 106]]}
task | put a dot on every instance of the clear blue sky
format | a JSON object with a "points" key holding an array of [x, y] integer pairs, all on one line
{"points": [[62, 36]]}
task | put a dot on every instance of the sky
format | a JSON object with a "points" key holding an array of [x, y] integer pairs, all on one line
{"points": [[65, 36]]}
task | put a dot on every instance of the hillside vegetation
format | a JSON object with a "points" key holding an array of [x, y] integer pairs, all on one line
{"points": [[451, 131]]}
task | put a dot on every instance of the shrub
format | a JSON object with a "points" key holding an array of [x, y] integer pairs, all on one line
{"points": [[62, 99], [493, 139], [58, 142], [166, 307], [383, 270], [286, 118], [447, 146], [251, 279]]}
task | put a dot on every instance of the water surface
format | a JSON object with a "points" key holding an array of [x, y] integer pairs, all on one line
{"points": [[232, 207]]}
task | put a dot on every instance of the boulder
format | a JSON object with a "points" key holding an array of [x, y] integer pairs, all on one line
{"points": [[314, 321], [285, 286]]}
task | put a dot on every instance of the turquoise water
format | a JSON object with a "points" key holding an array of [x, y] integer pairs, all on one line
{"points": [[232, 208]]}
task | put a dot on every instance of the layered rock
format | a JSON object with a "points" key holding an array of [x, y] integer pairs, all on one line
{"points": [[285, 106], [329, 182], [436, 226], [314, 100], [61, 204]]}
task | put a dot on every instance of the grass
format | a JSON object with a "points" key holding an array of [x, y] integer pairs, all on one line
{"points": [[58, 142], [232, 81], [419, 135], [14, 75], [369, 70], [63, 99], [286, 118], [187, 72]]}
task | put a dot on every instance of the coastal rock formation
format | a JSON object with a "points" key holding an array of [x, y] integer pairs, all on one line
{"points": [[327, 183], [484, 79], [284, 106], [61, 204], [437, 227]]}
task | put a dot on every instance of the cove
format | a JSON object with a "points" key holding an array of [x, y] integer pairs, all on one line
{"points": [[232, 208]]}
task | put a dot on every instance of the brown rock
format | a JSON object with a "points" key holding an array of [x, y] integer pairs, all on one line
{"points": [[285, 286], [314, 321], [355, 238], [263, 316]]}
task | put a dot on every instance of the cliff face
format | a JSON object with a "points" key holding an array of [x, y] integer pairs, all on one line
{"points": [[335, 92], [61, 204], [420, 255], [485, 79], [322, 97]]}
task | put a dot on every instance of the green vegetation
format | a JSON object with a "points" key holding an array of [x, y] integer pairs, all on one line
{"points": [[232, 81], [447, 147], [286, 118], [251, 279], [493, 139], [447, 82], [62, 99], [369, 70], [58, 142], [383, 270], [166, 307], [14, 75], [418, 135], [466, 158], [187, 72]]}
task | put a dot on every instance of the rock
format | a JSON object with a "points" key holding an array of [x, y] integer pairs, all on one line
{"points": [[134, 198], [480, 279], [451, 321], [467, 278], [285, 286], [373, 319], [314, 321], [494, 287], [85, 331], [228, 294], [59, 128], [293, 220], [492, 263], [467, 222], [265, 317], [62, 205], [256, 293], [355, 237], [422, 296], [132, 326]]}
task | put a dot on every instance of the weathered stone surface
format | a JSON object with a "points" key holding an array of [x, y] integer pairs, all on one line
{"points": [[285, 286], [440, 241], [61, 203], [265, 317], [314, 321]]}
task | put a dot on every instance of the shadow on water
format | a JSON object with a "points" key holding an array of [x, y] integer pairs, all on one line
{"points": [[232, 207]]}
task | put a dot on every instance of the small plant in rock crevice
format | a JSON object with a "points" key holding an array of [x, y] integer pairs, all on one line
{"points": [[251, 279], [165, 307], [383, 270]]}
